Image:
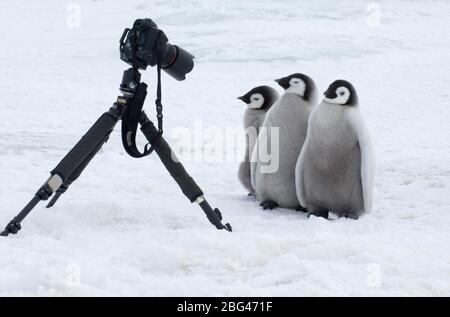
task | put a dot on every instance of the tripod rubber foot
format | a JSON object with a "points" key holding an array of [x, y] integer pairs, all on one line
{"points": [[12, 228], [228, 227]]}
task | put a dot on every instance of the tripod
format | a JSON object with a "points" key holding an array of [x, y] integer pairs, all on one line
{"points": [[73, 164]]}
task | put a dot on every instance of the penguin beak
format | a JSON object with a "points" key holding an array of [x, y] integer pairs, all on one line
{"points": [[282, 82], [242, 98]]}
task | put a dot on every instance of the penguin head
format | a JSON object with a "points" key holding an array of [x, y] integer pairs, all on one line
{"points": [[297, 83], [260, 98], [341, 92]]}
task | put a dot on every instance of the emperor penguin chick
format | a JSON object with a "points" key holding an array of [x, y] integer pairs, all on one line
{"points": [[258, 101], [280, 141], [336, 167]]}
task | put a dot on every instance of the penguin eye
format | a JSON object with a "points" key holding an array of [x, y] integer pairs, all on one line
{"points": [[342, 93]]}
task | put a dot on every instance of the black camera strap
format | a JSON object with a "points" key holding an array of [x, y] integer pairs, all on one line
{"points": [[130, 121], [159, 108], [158, 101]]}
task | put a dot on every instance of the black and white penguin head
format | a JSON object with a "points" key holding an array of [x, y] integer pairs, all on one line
{"points": [[261, 97], [297, 83], [341, 92]]}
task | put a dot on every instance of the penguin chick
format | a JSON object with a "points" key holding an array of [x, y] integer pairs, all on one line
{"points": [[336, 167], [280, 141], [258, 101]]}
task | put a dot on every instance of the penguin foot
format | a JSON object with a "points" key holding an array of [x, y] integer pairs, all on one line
{"points": [[350, 216], [301, 209], [268, 204], [321, 213]]}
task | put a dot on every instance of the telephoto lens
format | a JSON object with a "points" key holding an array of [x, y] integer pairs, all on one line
{"points": [[178, 63], [141, 45]]}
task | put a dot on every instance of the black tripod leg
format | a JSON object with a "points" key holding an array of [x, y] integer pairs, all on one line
{"points": [[14, 225], [74, 176], [187, 184], [77, 156]]}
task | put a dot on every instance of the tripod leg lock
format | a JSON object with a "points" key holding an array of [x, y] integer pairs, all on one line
{"points": [[44, 192], [64, 187], [51, 185]]}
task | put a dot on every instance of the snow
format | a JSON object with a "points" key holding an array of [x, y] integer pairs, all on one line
{"points": [[124, 228]]}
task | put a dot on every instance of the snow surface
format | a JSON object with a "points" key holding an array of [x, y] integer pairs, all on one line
{"points": [[125, 228]]}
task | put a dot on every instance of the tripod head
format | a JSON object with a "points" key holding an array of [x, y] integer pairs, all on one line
{"points": [[130, 80]]}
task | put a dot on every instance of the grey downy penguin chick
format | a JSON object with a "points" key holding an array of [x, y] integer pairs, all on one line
{"points": [[258, 101], [281, 137], [336, 167]]}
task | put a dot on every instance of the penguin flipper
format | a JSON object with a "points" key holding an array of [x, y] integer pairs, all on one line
{"points": [[254, 166], [261, 146], [244, 176], [367, 157], [299, 181]]}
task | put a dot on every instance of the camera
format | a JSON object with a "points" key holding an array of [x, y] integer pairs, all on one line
{"points": [[144, 44]]}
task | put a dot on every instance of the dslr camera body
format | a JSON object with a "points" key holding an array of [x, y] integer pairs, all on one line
{"points": [[144, 44]]}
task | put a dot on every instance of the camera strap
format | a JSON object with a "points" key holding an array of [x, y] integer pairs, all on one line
{"points": [[130, 121], [158, 101], [133, 111]]}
